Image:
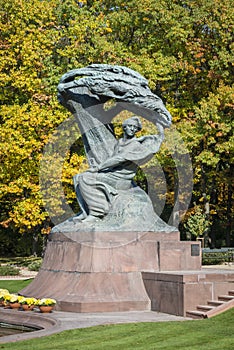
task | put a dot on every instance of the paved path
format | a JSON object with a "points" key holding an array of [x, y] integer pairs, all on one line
{"points": [[24, 274], [69, 320], [83, 320]]}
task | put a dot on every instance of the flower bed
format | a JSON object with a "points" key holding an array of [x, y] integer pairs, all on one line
{"points": [[15, 301]]}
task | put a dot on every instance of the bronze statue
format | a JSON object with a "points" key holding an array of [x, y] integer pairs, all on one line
{"points": [[108, 197], [97, 187]]}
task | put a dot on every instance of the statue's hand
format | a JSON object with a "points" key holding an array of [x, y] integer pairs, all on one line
{"points": [[61, 87], [93, 169]]}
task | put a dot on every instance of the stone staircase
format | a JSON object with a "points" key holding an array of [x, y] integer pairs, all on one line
{"points": [[213, 307]]}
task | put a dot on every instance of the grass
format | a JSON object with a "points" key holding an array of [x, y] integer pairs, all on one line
{"points": [[14, 285], [209, 334]]}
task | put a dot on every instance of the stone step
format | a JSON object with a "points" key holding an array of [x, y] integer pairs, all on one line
{"points": [[215, 302], [226, 305], [205, 308], [225, 297], [213, 307], [195, 314]]}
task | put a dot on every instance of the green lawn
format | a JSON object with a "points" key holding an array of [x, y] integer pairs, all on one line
{"points": [[211, 334], [14, 285]]}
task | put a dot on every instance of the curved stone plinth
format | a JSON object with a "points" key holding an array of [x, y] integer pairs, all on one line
{"points": [[92, 292], [102, 271]]}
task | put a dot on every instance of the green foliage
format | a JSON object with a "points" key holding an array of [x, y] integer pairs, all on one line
{"points": [[8, 270], [210, 138], [215, 258], [197, 223], [18, 244], [35, 266]]}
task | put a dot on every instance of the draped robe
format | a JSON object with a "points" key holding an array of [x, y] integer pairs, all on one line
{"points": [[97, 189]]}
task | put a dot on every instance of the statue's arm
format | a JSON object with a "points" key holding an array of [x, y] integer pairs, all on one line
{"points": [[107, 164], [111, 162], [153, 142], [159, 136]]}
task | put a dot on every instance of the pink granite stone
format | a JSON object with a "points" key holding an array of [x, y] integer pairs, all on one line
{"points": [[103, 272]]}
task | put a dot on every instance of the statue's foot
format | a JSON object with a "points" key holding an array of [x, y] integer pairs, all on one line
{"points": [[91, 218], [79, 217]]}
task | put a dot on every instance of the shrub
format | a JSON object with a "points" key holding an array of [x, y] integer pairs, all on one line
{"points": [[35, 265], [215, 258], [8, 270]]}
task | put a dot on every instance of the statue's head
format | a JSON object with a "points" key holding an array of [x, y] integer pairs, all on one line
{"points": [[134, 120], [131, 126]]}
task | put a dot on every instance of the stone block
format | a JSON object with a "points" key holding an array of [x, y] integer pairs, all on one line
{"points": [[177, 292]]}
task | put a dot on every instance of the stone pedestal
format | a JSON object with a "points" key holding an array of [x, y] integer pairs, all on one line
{"points": [[179, 291], [102, 271]]}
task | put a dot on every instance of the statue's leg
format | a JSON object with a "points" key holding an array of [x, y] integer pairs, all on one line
{"points": [[94, 195], [83, 206]]}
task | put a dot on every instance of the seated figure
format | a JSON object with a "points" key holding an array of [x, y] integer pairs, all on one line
{"points": [[108, 197], [97, 187]]}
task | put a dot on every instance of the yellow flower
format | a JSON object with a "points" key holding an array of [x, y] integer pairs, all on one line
{"points": [[7, 297], [4, 291], [13, 298], [45, 301], [29, 301], [20, 298]]}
